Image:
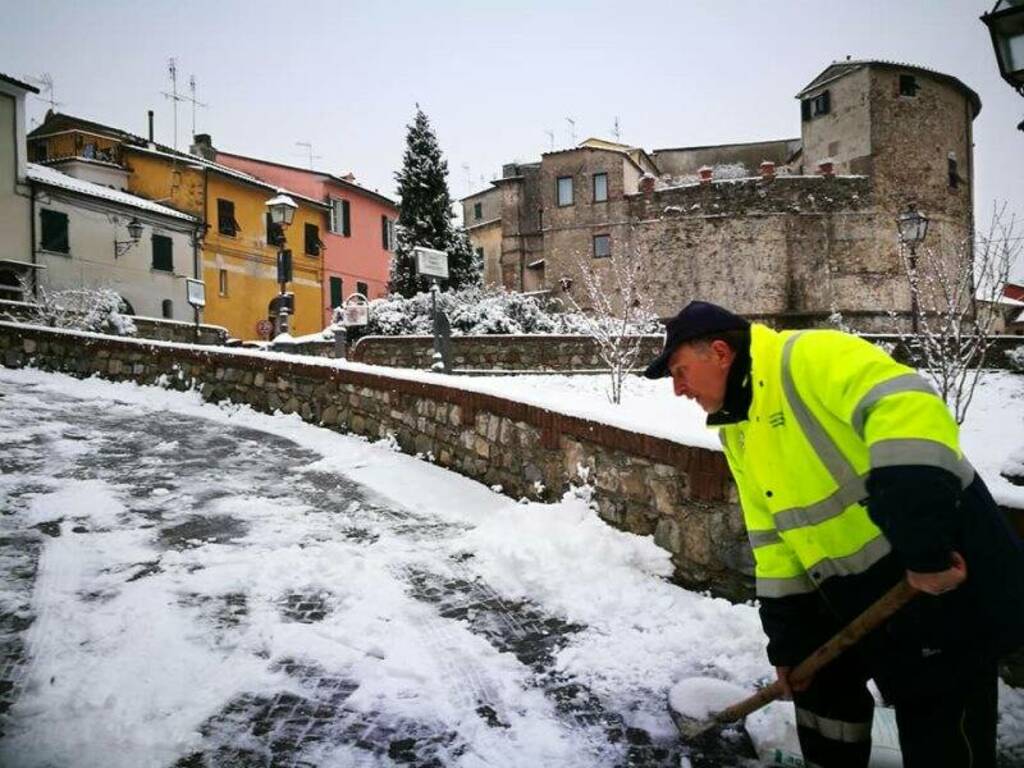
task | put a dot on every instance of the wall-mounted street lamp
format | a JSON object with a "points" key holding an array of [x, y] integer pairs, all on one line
{"points": [[1005, 23], [912, 226], [282, 211], [121, 247]]}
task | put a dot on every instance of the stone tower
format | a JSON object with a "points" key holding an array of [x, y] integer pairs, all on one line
{"points": [[909, 130]]}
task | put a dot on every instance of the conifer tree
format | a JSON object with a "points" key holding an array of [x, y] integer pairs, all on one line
{"points": [[425, 217]]}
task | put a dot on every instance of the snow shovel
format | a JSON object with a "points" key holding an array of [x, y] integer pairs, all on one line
{"points": [[901, 594]]}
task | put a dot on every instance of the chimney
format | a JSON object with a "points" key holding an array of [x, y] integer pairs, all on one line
{"points": [[704, 172], [203, 147], [647, 185], [826, 167], [767, 170], [150, 114]]}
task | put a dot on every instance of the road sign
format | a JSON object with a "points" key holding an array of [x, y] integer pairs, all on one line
{"points": [[431, 263], [195, 290]]}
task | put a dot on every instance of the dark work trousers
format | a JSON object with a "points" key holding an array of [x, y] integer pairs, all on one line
{"points": [[951, 727]]}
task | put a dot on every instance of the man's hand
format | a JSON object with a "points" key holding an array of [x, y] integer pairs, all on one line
{"points": [[783, 674], [940, 581]]}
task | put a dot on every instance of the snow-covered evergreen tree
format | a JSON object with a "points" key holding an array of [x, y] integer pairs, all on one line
{"points": [[426, 215]]}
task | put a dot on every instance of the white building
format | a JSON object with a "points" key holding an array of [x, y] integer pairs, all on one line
{"points": [[88, 235]]}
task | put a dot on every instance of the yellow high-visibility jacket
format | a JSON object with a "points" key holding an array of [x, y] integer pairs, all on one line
{"points": [[826, 408]]}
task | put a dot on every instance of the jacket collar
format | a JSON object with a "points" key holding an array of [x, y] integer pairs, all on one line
{"points": [[751, 371], [736, 406]]}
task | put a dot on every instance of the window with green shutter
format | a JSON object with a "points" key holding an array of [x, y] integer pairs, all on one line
{"points": [[336, 291], [312, 240], [54, 235], [163, 253]]}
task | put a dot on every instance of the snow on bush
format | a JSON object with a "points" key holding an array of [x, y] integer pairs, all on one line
{"points": [[480, 311], [98, 310], [1015, 357]]}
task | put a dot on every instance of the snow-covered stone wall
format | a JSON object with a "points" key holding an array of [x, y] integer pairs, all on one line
{"points": [[493, 352], [682, 495]]}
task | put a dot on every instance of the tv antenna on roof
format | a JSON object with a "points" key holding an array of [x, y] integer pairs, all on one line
{"points": [[469, 178], [174, 96], [551, 138], [615, 129], [572, 131], [45, 83], [195, 103], [309, 152]]}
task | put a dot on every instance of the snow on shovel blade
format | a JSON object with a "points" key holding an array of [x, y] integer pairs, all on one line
{"points": [[694, 703]]}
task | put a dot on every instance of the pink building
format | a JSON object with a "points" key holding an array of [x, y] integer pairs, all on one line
{"points": [[361, 236]]}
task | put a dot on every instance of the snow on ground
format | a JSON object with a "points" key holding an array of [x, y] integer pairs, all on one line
{"points": [[991, 435], [188, 585], [204, 584]]}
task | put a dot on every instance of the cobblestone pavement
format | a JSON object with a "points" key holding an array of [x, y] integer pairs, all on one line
{"points": [[311, 721]]}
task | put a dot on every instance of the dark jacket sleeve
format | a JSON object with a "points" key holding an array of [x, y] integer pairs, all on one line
{"points": [[916, 507], [793, 627]]}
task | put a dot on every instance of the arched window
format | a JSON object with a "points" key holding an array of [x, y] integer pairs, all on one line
{"points": [[126, 306], [168, 309]]}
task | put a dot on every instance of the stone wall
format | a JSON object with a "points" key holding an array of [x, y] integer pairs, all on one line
{"points": [[680, 494], [493, 353], [475, 354]]}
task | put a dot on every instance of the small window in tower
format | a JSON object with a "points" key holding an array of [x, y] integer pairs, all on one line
{"points": [[954, 176], [167, 309], [908, 85], [816, 106]]}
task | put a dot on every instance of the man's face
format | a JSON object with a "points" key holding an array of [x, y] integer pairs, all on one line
{"points": [[699, 372]]}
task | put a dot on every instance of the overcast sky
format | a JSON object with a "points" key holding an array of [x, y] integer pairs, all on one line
{"points": [[492, 76]]}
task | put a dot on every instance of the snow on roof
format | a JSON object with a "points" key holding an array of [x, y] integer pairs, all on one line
{"points": [[54, 178], [201, 162]]}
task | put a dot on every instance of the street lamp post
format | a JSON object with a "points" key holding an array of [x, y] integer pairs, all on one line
{"points": [[282, 210], [912, 226], [1005, 23]]}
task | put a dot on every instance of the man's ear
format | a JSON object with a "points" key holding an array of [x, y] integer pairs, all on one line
{"points": [[723, 354]]}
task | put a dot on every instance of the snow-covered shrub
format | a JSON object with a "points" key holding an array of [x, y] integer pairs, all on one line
{"points": [[1015, 357], [480, 311], [98, 310], [730, 171]]}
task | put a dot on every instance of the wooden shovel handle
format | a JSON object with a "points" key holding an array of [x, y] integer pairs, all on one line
{"points": [[847, 637]]}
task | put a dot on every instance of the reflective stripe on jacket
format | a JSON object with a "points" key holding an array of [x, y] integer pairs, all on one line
{"points": [[827, 407]]}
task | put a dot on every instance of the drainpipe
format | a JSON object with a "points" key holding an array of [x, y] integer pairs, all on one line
{"points": [[32, 237]]}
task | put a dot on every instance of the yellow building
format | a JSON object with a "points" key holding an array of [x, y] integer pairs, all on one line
{"points": [[237, 255]]}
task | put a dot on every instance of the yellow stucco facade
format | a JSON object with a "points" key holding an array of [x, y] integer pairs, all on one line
{"points": [[240, 269]]}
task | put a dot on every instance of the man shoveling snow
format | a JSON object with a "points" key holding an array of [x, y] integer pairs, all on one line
{"points": [[851, 478]]}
